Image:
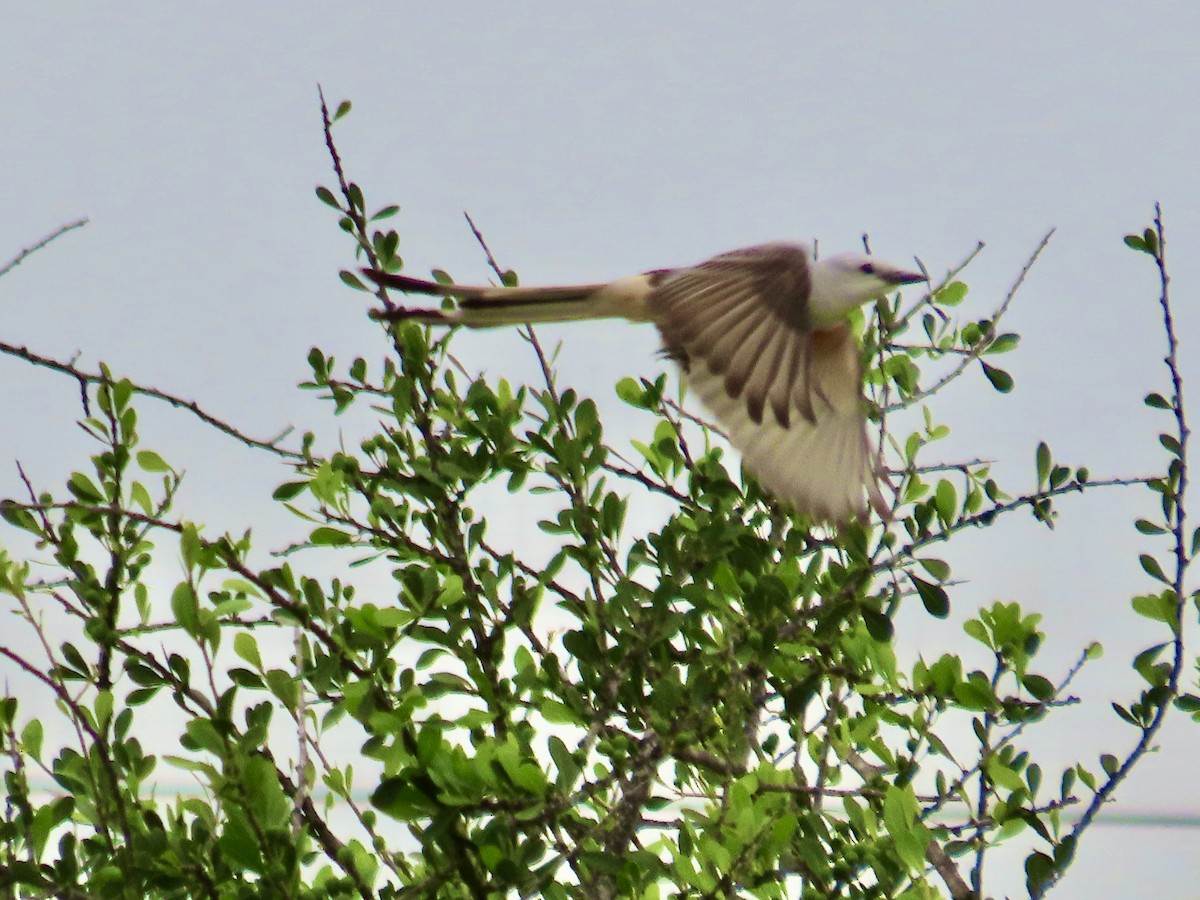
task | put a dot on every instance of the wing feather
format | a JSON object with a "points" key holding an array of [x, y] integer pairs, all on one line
{"points": [[742, 321], [761, 361], [701, 318]]}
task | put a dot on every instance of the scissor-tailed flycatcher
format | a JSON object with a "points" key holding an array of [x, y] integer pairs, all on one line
{"points": [[763, 337]]}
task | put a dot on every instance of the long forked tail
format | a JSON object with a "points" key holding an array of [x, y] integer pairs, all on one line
{"points": [[487, 307]]}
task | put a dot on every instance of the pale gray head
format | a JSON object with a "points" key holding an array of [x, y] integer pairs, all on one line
{"points": [[848, 280]]}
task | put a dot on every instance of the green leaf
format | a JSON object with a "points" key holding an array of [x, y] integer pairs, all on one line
{"points": [[1039, 686], [1157, 401], [351, 279], [1150, 240], [1043, 463], [19, 518], [1152, 568], [103, 709], [204, 736], [976, 629], [935, 567], [1003, 343], [1188, 703], [946, 499], [975, 693], [878, 625], [1135, 242], [1157, 607], [83, 488], [1086, 777], [329, 537], [31, 738], [246, 647], [1039, 869], [1059, 476], [630, 392], [1146, 664], [141, 497], [1171, 443], [152, 462], [185, 607], [558, 713], [568, 767], [284, 686], [951, 295], [326, 196], [1033, 778], [343, 110], [901, 816], [1001, 380], [937, 602], [289, 490], [1003, 776], [386, 213]]}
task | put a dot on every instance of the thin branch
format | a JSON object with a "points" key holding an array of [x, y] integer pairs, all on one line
{"points": [[647, 482], [950, 276], [965, 467], [987, 516], [1182, 557], [980, 348], [85, 379], [695, 419], [34, 248], [949, 795], [491, 260]]}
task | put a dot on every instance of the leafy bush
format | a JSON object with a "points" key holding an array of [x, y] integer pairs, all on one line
{"points": [[702, 703]]}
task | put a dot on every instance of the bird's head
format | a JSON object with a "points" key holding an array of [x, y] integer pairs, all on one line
{"points": [[846, 281]]}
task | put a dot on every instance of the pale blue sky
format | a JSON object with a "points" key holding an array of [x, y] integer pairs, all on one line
{"points": [[593, 140]]}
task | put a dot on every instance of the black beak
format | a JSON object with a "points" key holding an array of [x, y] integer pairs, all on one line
{"points": [[899, 278]]}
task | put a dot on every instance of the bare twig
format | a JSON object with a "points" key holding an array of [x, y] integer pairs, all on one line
{"points": [[85, 379], [491, 260], [34, 248], [950, 276], [979, 349]]}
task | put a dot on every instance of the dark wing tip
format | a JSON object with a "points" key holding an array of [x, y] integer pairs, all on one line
{"points": [[783, 412], [755, 406], [400, 314], [404, 282]]}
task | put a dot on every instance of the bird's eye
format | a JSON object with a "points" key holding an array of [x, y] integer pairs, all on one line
{"points": [[867, 269]]}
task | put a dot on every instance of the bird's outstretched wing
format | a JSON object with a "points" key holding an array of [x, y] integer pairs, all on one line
{"points": [[789, 397]]}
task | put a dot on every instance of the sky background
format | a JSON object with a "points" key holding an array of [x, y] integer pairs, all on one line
{"points": [[594, 140]]}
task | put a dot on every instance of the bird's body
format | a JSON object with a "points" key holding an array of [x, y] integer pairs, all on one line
{"points": [[763, 337]]}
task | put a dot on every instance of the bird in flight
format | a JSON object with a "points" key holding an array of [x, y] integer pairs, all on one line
{"points": [[763, 337]]}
